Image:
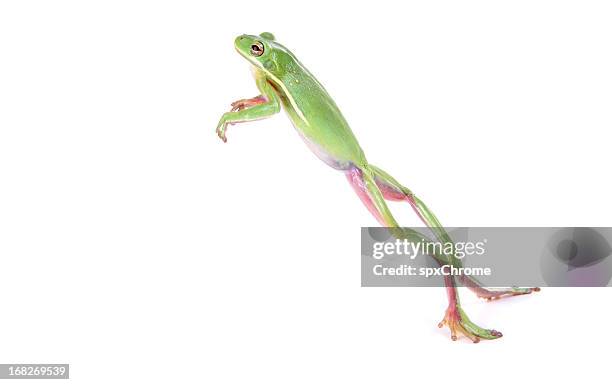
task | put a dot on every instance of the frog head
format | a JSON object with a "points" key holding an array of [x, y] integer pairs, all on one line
{"points": [[264, 53]]}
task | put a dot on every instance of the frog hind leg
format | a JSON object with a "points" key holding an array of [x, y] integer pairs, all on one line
{"points": [[362, 180], [491, 294], [355, 178], [392, 190]]}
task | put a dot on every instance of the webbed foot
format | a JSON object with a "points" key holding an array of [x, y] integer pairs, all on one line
{"points": [[494, 294], [458, 323]]}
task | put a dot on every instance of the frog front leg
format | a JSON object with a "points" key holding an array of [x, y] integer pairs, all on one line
{"points": [[241, 104], [247, 110]]}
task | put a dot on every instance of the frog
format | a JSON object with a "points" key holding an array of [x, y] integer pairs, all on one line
{"points": [[286, 84]]}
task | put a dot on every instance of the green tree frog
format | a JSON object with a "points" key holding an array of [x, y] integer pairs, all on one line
{"points": [[284, 81]]}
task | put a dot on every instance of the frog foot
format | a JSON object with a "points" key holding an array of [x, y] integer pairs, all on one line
{"points": [[458, 322], [221, 128], [494, 294]]}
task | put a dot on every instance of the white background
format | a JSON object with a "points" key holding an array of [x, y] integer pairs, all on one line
{"points": [[139, 248]]}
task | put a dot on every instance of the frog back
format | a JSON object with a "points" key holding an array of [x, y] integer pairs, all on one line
{"points": [[316, 117]]}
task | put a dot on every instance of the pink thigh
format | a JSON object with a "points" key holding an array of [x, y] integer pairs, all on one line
{"points": [[354, 176]]}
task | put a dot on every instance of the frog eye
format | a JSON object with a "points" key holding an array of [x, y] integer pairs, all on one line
{"points": [[257, 49]]}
